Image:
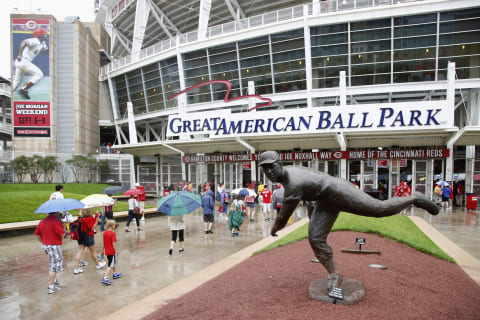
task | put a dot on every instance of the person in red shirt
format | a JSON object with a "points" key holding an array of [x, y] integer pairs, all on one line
{"points": [[267, 203], [89, 223], [141, 199], [111, 251], [49, 232]]}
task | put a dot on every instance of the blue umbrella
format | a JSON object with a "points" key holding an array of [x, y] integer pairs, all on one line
{"points": [[60, 205], [244, 192], [179, 203]]}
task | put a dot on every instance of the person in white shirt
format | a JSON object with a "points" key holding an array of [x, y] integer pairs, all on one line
{"points": [[177, 225], [27, 52], [132, 213], [58, 193]]}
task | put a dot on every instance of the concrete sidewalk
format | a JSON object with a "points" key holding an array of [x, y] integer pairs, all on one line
{"points": [[24, 225]]}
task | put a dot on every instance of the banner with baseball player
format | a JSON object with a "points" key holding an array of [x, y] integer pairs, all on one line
{"points": [[31, 77]]}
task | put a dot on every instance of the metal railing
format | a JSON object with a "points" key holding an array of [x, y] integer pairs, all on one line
{"points": [[286, 14]]}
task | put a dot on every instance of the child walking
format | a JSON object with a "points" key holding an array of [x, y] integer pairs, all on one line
{"points": [[236, 216], [111, 251], [177, 225]]}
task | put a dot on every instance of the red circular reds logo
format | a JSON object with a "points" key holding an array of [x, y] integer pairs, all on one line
{"points": [[337, 155], [31, 24]]}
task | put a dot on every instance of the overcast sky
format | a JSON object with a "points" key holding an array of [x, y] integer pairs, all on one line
{"points": [[58, 8]]}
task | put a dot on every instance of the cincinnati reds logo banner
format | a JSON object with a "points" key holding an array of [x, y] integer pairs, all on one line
{"points": [[31, 77]]}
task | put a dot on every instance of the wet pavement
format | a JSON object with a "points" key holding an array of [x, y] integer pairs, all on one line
{"points": [[460, 225], [146, 265], [143, 259]]}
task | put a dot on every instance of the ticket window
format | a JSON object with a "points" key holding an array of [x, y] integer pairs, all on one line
{"points": [[354, 172], [369, 175]]}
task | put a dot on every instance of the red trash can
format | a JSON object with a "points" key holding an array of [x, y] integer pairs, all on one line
{"points": [[166, 192], [471, 201]]}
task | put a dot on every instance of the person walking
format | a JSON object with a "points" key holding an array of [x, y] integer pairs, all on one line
{"points": [[141, 200], [236, 216], [58, 194], [111, 251], [460, 193], [224, 201], [50, 232], [208, 207], [132, 213], [250, 204], [266, 203], [88, 224], [107, 213], [445, 197], [278, 198], [177, 226]]}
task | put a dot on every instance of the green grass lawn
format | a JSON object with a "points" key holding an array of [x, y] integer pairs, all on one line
{"points": [[398, 228], [19, 201]]}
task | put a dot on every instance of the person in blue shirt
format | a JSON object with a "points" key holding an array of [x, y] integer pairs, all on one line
{"points": [[445, 196], [208, 207]]}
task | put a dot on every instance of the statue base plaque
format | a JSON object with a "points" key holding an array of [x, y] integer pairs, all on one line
{"points": [[353, 291]]}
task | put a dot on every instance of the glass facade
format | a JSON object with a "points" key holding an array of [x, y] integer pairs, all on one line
{"points": [[389, 50]]}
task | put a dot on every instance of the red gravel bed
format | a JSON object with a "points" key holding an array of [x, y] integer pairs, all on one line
{"points": [[274, 284]]}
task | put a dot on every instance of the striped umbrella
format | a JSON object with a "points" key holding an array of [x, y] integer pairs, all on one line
{"points": [[97, 200], [179, 203]]}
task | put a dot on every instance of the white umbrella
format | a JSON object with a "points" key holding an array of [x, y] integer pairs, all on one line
{"points": [[97, 200]]}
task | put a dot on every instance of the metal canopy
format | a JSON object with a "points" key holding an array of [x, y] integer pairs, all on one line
{"points": [[183, 16]]}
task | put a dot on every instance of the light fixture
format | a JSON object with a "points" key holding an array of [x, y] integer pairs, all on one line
{"points": [[203, 77], [248, 70], [300, 62], [169, 85], [359, 56], [427, 50], [154, 89], [224, 74], [463, 47], [328, 58]]}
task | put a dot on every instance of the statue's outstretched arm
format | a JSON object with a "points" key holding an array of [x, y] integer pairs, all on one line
{"points": [[282, 218]]}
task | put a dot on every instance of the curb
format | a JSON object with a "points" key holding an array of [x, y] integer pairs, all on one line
{"points": [[464, 260], [24, 225], [156, 300]]}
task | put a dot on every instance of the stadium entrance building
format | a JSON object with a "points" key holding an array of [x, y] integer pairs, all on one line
{"points": [[375, 92]]}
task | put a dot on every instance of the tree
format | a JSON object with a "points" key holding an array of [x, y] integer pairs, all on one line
{"points": [[103, 168], [91, 168], [49, 166], [20, 165], [77, 165], [35, 167]]}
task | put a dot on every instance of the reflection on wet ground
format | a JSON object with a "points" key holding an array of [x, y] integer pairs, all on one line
{"points": [[143, 259], [458, 224]]}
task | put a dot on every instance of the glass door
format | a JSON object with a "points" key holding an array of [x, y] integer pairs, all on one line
{"points": [[354, 172], [369, 175], [419, 182]]}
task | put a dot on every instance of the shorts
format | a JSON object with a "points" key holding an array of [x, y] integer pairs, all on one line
{"points": [[142, 206], [267, 207], [55, 256], [445, 199], [88, 241], [112, 259], [250, 205], [208, 218]]}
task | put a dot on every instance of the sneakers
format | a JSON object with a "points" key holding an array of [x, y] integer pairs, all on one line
{"points": [[100, 256], [206, 232], [106, 281], [25, 94], [53, 289], [83, 263], [77, 271], [170, 251], [126, 230], [210, 231], [117, 275], [57, 284], [100, 265], [181, 250]]}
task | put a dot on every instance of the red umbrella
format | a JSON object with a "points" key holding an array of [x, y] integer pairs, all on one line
{"points": [[134, 192]]}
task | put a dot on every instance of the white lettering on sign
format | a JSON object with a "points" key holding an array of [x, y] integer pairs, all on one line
{"points": [[389, 117]]}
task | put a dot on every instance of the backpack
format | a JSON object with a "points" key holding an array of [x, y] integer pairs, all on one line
{"points": [[77, 231]]}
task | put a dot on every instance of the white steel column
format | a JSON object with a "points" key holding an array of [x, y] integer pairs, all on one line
{"points": [[181, 99], [451, 104], [204, 17], [340, 137], [141, 18], [156, 175], [308, 55], [132, 131]]}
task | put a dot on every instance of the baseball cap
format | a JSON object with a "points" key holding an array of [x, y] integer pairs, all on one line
{"points": [[137, 184], [38, 32], [268, 157]]}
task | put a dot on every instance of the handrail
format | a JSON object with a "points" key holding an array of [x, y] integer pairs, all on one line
{"points": [[251, 22]]}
